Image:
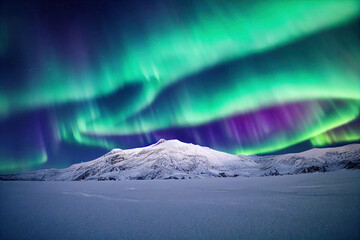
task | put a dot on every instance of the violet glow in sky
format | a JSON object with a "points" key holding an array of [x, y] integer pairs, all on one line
{"points": [[79, 78]]}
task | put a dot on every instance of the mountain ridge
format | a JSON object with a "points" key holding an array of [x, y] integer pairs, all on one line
{"points": [[173, 159]]}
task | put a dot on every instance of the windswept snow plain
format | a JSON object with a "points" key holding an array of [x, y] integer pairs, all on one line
{"points": [[305, 206]]}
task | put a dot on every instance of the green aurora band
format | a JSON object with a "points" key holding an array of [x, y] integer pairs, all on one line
{"points": [[187, 65], [281, 79], [253, 83], [171, 48], [342, 134]]}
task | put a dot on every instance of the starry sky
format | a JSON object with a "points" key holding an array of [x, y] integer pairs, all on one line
{"points": [[79, 78]]}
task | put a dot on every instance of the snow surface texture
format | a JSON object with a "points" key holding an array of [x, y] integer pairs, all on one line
{"points": [[304, 206], [173, 159], [314, 160]]}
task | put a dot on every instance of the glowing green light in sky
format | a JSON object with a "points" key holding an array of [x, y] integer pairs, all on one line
{"points": [[170, 48], [14, 165], [343, 134], [324, 72], [126, 76]]}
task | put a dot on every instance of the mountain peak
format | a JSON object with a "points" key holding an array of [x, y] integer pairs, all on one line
{"points": [[172, 159], [169, 143], [160, 142]]}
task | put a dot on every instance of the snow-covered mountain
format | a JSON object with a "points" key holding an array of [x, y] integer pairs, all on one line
{"points": [[173, 159], [313, 160], [162, 160]]}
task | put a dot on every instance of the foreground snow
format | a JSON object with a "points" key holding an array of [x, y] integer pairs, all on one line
{"points": [[305, 206], [177, 160]]}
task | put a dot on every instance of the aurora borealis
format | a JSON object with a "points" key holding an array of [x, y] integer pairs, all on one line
{"points": [[79, 78]]}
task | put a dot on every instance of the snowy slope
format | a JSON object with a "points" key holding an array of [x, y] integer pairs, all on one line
{"points": [[313, 160], [173, 159], [163, 160]]}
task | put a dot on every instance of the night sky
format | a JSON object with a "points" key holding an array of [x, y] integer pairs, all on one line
{"points": [[79, 78]]}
